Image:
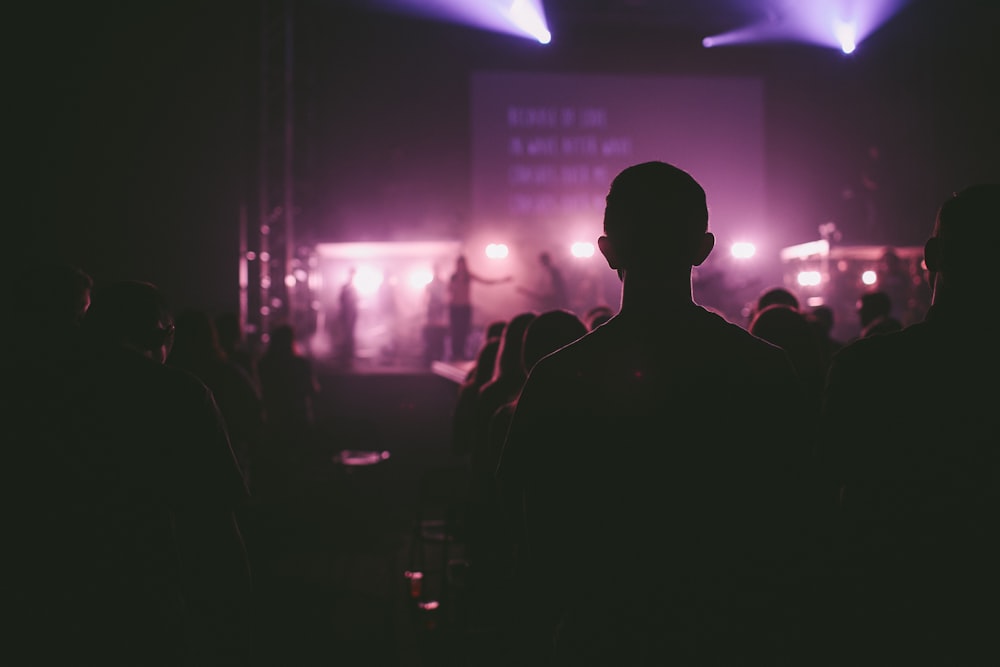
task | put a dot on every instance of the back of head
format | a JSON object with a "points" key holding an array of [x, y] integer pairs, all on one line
{"points": [[495, 329], [282, 343], [196, 339], [228, 330], [967, 233], [509, 356], [597, 316], [655, 215], [547, 333], [873, 305], [51, 293], [824, 319], [131, 312], [776, 295]]}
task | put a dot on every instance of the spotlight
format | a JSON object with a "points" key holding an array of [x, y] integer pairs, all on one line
{"points": [[743, 250], [527, 15], [497, 250], [809, 278], [846, 36]]}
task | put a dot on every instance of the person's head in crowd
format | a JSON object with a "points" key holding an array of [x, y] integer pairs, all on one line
{"points": [[132, 314], [823, 319], [196, 339], [547, 333], [495, 329], [960, 255], [282, 342], [508, 362], [655, 224], [51, 294], [597, 316], [776, 295], [873, 305]]}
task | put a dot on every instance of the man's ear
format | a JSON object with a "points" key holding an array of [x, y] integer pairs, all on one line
{"points": [[704, 249], [608, 250], [933, 254]]}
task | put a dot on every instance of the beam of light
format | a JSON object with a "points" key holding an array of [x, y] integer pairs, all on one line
{"points": [[869, 277], [837, 24], [528, 16], [521, 18]]}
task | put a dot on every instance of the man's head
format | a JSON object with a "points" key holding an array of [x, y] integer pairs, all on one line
{"points": [[966, 237], [873, 305], [134, 314], [655, 218]]}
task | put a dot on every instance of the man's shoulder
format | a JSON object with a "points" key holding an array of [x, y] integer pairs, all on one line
{"points": [[883, 348]]}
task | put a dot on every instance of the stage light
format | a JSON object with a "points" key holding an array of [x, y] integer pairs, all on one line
{"points": [[523, 18], [527, 15], [582, 249], [839, 24], [368, 279], [497, 250], [869, 277], [845, 34], [809, 278], [743, 250], [420, 278]]}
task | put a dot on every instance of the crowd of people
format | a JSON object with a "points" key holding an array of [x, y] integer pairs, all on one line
{"points": [[648, 485], [143, 439], [662, 486]]}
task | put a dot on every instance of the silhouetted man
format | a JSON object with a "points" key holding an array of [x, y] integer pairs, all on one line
{"points": [[910, 434], [138, 557], [654, 461]]}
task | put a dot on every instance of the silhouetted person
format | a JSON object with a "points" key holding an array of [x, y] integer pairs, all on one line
{"points": [[552, 294], [463, 425], [288, 389], [875, 314], [597, 316], [910, 437], [460, 305], [196, 349], [348, 317], [138, 558], [234, 344], [822, 320], [436, 324], [47, 303], [492, 565], [656, 531], [772, 296], [790, 330]]}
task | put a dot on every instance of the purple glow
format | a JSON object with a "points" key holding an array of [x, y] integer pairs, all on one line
{"points": [[839, 24], [522, 18]]}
